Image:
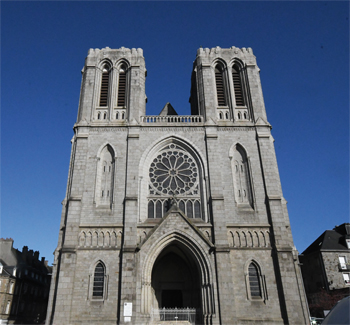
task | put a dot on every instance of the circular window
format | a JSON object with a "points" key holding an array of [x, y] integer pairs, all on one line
{"points": [[174, 172]]}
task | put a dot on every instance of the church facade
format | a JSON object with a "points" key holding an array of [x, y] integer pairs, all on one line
{"points": [[173, 211]]}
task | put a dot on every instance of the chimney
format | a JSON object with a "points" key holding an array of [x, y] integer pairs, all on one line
{"points": [[25, 251], [6, 245], [36, 255]]}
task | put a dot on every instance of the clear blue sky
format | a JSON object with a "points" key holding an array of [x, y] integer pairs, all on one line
{"points": [[302, 49]]}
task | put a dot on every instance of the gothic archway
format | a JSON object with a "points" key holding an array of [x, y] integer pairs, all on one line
{"points": [[175, 279], [177, 272]]}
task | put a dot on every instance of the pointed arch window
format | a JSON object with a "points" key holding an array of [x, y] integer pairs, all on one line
{"points": [[237, 85], [174, 175], [220, 87], [99, 279], [254, 281], [104, 87], [242, 181], [122, 86]]}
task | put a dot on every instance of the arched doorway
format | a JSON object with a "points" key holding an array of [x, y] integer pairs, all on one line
{"points": [[177, 271], [176, 281]]}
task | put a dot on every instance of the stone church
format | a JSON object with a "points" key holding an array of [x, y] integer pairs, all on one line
{"points": [[174, 215]]}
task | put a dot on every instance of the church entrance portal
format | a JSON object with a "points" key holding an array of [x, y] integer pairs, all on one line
{"points": [[175, 279]]}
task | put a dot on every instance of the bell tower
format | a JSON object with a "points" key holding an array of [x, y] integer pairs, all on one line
{"points": [[226, 86], [113, 86]]}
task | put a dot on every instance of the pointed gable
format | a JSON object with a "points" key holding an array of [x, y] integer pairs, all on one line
{"points": [[176, 220], [168, 110]]}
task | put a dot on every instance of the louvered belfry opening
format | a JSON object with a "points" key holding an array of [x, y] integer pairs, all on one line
{"points": [[104, 88], [220, 89], [122, 87], [237, 85]]}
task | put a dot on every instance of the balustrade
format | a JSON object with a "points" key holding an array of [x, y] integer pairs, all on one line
{"points": [[172, 119]]}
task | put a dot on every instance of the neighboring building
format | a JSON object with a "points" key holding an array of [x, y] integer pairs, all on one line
{"points": [[325, 266], [174, 211], [24, 285]]}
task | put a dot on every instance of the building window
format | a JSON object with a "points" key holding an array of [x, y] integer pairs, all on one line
{"points": [[220, 87], [7, 310], [254, 282], [174, 174], [348, 243], [342, 262], [98, 286], [104, 87], [11, 287], [121, 86], [237, 85], [346, 278]]}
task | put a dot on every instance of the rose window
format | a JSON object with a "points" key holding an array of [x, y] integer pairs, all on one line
{"points": [[173, 172]]}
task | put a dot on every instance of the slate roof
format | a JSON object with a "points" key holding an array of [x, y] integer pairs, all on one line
{"points": [[329, 240]]}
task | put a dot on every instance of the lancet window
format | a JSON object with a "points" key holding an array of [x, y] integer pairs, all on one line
{"points": [[121, 86], [237, 85], [99, 279], [254, 282], [174, 176], [104, 87], [220, 85]]}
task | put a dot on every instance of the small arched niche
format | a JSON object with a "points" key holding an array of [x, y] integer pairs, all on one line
{"points": [[105, 177], [241, 177]]}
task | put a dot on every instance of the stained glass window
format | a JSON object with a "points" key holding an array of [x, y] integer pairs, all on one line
{"points": [[174, 174]]}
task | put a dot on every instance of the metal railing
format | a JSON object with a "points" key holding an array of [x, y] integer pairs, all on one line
{"points": [[172, 119], [174, 314]]}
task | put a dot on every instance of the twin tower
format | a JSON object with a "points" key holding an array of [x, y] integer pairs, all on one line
{"points": [[174, 215]]}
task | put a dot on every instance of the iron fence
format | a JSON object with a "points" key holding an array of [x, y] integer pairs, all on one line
{"points": [[174, 314]]}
